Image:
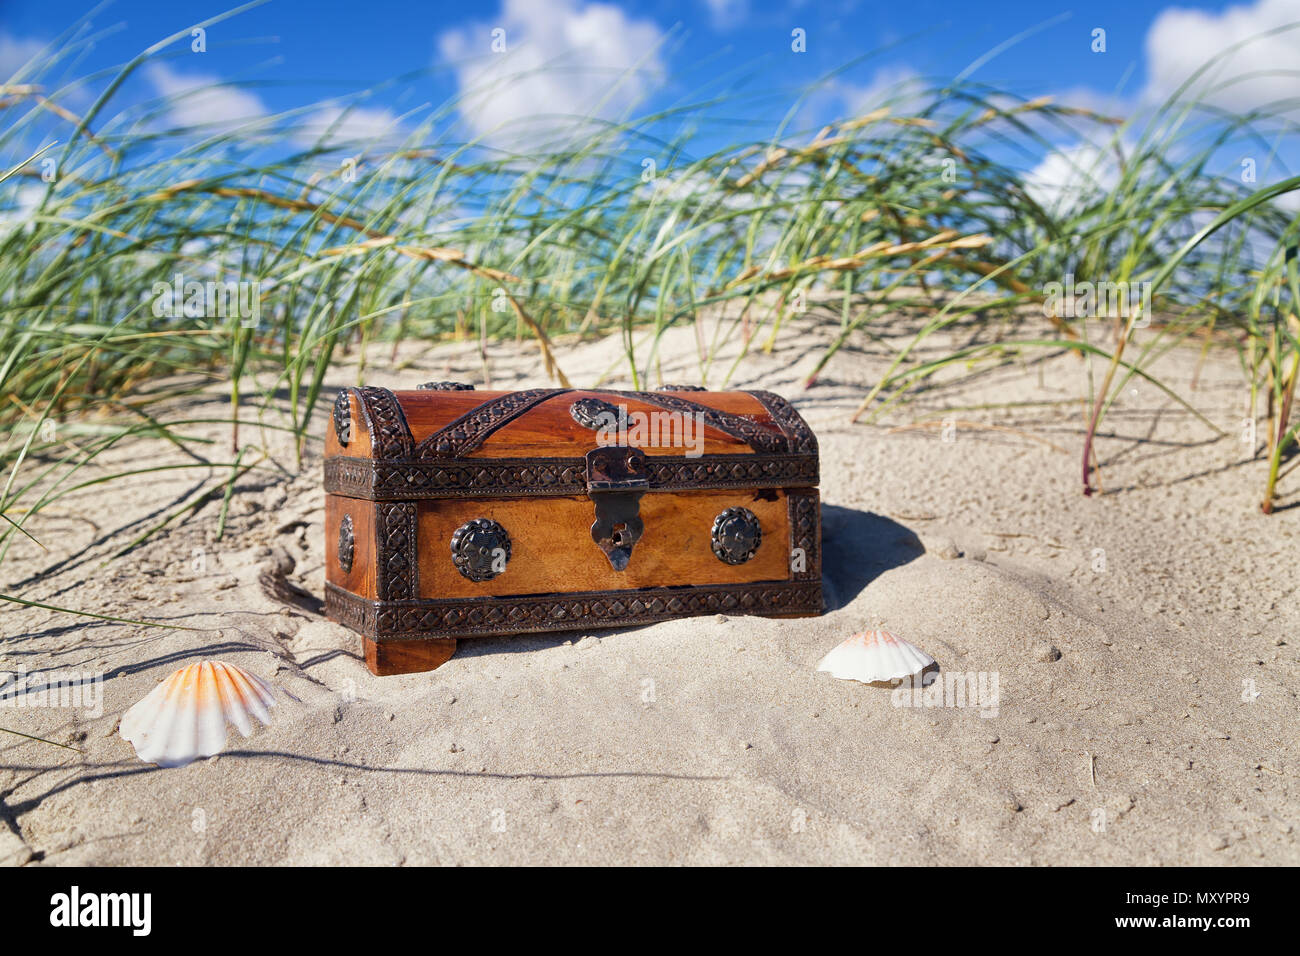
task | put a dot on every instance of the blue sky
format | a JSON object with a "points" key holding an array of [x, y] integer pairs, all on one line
{"points": [[289, 53], [355, 44]]}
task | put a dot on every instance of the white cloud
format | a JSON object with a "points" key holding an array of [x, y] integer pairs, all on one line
{"points": [[1180, 41], [1067, 175], [1289, 201], [200, 100], [672, 188], [25, 200], [727, 14], [15, 53], [898, 87], [1112, 105], [333, 125], [564, 59]]}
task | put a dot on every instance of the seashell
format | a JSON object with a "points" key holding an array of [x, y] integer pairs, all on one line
{"points": [[184, 717], [875, 657]]}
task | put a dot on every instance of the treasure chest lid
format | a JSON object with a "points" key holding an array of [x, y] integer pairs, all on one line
{"points": [[449, 440]]}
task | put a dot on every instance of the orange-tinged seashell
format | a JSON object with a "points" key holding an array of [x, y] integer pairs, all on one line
{"points": [[184, 717], [874, 657]]}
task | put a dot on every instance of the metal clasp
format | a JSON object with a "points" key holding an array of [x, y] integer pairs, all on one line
{"points": [[616, 479]]}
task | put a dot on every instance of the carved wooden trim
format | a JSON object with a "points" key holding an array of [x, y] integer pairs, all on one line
{"points": [[806, 532], [397, 561], [350, 610], [475, 477], [711, 472], [756, 436], [342, 415], [468, 432], [347, 545], [801, 437], [390, 436], [482, 617]]}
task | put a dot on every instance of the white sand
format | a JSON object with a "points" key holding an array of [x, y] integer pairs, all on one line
{"points": [[715, 740]]}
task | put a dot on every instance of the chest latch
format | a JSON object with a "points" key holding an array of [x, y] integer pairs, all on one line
{"points": [[616, 479]]}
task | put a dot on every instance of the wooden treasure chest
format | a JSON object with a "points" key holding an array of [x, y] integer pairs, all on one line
{"points": [[453, 513]]}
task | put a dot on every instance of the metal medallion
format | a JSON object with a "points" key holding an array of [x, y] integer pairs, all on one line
{"points": [[736, 535], [445, 387], [480, 549]]}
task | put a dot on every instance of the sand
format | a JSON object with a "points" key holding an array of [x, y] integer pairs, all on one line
{"points": [[1141, 642]]}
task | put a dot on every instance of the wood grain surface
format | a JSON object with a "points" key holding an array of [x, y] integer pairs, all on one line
{"points": [[386, 658], [361, 579], [552, 549]]}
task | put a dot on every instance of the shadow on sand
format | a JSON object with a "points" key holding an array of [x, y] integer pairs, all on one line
{"points": [[858, 547]]}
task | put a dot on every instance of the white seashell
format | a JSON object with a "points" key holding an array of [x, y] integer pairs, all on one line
{"points": [[184, 717], [875, 657]]}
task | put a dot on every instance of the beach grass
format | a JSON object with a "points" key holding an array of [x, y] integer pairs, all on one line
{"points": [[926, 203]]}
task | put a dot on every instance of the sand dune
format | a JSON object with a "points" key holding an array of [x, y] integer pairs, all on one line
{"points": [[1140, 641]]}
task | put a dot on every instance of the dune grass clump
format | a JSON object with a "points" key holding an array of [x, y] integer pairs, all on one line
{"points": [[140, 261]]}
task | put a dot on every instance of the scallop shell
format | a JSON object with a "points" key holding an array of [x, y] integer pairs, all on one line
{"points": [[184, 717], [875, 657]]}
